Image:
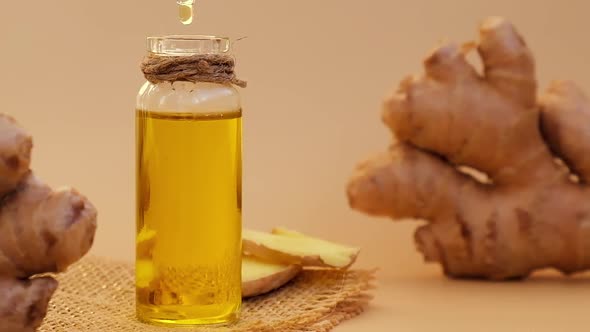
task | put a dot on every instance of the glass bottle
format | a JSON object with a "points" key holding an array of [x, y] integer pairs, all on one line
{"points": [[189, 145]]}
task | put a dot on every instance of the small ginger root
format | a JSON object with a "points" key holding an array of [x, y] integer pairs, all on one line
{"points": [[532, 212], [42, 231], [289, 247], [15, 153], [24, 303]]}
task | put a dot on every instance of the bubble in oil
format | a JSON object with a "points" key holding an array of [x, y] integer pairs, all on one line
{"points": [[186, 11]]}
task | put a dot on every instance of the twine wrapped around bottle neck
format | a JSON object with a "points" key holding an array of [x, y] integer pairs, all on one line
{"points": [[213, 68]]}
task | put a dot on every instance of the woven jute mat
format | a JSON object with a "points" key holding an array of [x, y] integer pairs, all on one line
{"points": [[99, 295]]}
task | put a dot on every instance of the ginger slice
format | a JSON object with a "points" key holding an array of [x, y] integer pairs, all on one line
{"points": [[260, 277], [290, 247], [286, 232], [270, 260], [145, 243], [146, 273]]}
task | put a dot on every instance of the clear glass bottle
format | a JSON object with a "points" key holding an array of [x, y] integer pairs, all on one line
{"points": [[189, 145]]}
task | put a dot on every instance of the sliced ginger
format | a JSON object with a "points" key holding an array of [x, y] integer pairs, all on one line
{"points": [[270, 259], [146, 273], [145, 242], [277, 257], [260, 277], [531, 215], [289, 247], [286, 232]]}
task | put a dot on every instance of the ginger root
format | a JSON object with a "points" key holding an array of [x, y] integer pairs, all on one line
{"points": [[42, 231], [15, 153], [24, 303], [531, 212]]}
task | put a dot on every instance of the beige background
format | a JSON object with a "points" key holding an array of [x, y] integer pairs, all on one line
{"points": [[317, 71]]}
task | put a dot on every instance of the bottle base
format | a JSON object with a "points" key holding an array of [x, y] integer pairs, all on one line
{"points": [[165, 318]]}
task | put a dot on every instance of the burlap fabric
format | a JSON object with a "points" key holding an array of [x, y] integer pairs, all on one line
{"points": [[99, 295]]}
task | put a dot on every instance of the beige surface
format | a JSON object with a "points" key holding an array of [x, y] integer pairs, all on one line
{"points": [[424, 302], [317, 71]]}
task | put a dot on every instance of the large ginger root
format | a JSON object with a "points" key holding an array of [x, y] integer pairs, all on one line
{"points": [[531, 212], [41, 231]]}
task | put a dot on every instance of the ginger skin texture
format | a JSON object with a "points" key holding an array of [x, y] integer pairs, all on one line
{"points": [[24, 303], [41, 231], [533, 211], [15, 153]]}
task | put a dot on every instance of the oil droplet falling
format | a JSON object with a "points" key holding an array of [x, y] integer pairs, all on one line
{"points": [[186, 11]]}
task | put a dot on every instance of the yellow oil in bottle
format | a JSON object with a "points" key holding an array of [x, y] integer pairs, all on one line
{"points": [[186, 11], [188, 217]]}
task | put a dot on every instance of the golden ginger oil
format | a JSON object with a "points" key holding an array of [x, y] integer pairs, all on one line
{"points": [[188, 217], [186, 11]]}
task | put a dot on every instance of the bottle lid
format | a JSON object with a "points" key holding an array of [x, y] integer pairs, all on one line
{"points": [[184, 45]]}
